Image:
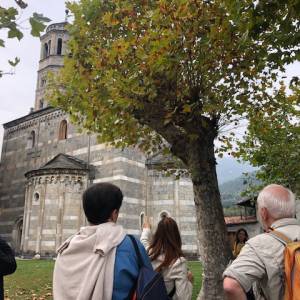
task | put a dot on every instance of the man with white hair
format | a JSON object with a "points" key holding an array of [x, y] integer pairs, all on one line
{"points": [[261, 260]]}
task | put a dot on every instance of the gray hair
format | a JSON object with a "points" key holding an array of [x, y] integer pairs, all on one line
{"points": [[278, 200]]}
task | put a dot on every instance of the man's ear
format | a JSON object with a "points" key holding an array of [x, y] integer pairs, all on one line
{"points": [[264, 214], [114, 215]]}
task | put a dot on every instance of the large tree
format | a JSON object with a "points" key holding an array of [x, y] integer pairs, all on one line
{"points": [[169, 75], [9, 18]]}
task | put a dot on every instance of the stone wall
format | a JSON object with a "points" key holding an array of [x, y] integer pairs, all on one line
{"points": [[125, 168], [18, 158], [53, 211], [174, 198]]}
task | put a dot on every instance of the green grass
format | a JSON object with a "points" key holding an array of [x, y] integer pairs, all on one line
{"points": [[196, 269], [33, 280]]}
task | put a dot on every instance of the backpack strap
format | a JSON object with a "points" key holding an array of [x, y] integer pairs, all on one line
{"points": [[137, 250], [172, 293], [280, 237]]}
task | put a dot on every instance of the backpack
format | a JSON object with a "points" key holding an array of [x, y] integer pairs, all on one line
{"points": [[291, 266], [150, 284]]}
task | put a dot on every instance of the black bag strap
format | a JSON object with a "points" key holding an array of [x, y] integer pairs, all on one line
{"points": [[172, 293], [137, 250]]}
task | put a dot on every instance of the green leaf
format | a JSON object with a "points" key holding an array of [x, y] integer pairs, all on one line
{"points": [[14, 32], [21, 4], [36, 27], [41, 18], [2, 44], [15, 62]]}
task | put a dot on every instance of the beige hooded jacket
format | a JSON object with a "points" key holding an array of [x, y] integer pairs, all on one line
{"points": [[174, 275], [84, 268]]}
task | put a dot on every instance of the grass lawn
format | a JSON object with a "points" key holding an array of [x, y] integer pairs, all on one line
{"points": [[33, 280]]}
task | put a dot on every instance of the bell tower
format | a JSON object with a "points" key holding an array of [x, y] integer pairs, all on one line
{"points": [[53, 49]]}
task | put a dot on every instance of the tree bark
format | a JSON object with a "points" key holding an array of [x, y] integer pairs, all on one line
{"points": [[198, 155], [212, 234]]}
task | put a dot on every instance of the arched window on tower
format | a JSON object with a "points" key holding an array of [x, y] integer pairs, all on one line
{"points": [[31, 140], [59, 46], [45, 50], [63, 130], [43, 82], [41, 105]]}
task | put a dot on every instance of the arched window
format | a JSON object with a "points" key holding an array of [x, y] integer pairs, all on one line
{"points": [[17, 234], [164, 214], [46, 49], [41, 103], [43, 81], [59, 46], [36, 197], [49, 47], [63, 130], [31, 140], [142, 218]]}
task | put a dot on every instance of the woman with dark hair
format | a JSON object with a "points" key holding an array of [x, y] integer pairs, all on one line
{"points": [[164, 250], [241, 238]]}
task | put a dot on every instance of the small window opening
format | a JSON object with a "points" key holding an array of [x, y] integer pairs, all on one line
{"points": [[41, 103], [164, 214], [63, 130], [43, 82], [49, 47], [36, 197], [31, 140], [45, 50], [142, 219], [59, 46]]}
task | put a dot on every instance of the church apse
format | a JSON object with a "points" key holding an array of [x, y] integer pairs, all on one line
{"points": [[53, 208]]}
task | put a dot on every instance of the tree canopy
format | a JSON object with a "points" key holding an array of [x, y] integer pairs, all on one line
{"points": [[273, 143], [169, 75]]}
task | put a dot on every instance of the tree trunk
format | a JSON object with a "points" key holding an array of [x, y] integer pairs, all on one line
{"points": [[212, 234]]}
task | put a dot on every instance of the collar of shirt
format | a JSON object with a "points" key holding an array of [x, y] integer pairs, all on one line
{"points": [[285, 222]]}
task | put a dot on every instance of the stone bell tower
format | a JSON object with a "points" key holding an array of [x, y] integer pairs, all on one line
{"points": [[53, 49]]}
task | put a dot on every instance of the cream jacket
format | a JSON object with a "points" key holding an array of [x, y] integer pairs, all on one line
{"points": [[260, 262], [175, 275], [84, 268]]}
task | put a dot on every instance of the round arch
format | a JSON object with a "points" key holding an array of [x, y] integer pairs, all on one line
{"points": [[17, 234]]}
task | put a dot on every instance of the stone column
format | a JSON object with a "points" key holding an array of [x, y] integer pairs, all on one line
{"points": [[60, 212], [27, 215], [176, 201], [41, 218]]}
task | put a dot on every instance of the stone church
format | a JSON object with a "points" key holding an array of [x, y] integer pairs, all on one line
{"points": [[46, 164]]}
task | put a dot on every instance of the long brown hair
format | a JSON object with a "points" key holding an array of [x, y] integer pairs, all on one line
{"points": [[166, 241]]}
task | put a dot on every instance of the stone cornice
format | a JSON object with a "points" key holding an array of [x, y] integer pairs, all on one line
{"points": [[53, 172], [32, 119], [66, 178]]}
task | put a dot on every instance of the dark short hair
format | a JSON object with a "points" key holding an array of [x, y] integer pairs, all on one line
{"points": [[100, 200]]}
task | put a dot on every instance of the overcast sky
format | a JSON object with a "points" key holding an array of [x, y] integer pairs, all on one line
{"points": [[17, 92]]}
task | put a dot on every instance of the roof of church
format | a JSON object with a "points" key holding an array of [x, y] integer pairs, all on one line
{"points": [[60, 163], [30, 116], [64, 161]]}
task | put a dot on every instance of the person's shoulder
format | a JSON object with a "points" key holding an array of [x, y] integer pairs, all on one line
{"points": [[265, 246], [127, 243], [181, 261], [260, 240]]}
